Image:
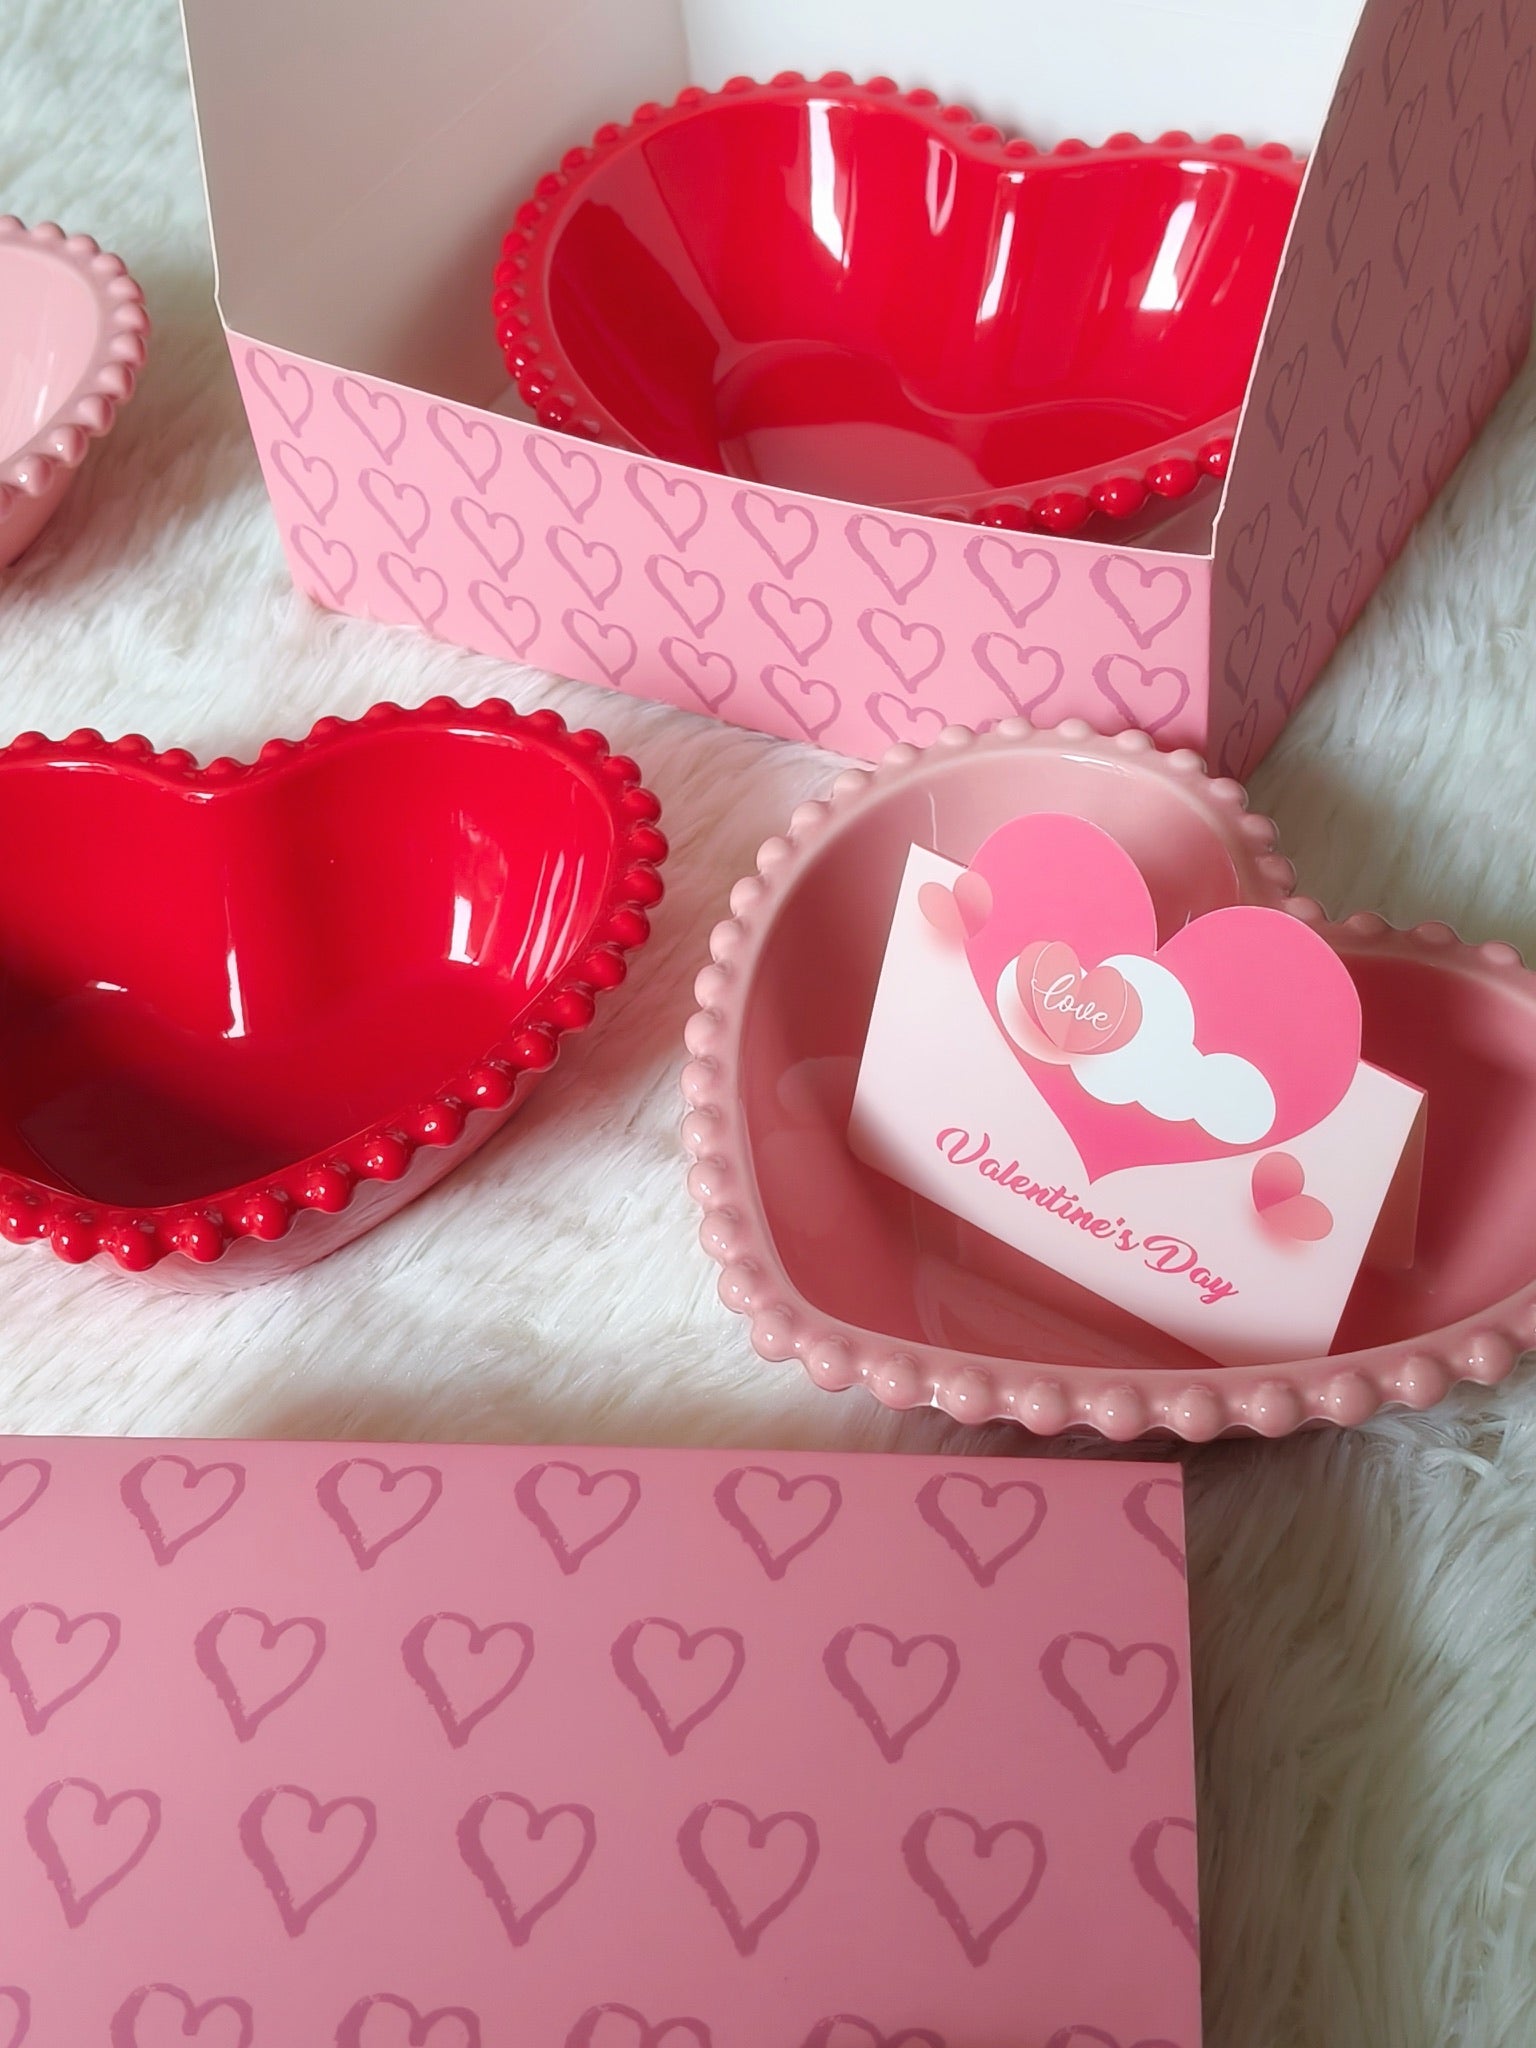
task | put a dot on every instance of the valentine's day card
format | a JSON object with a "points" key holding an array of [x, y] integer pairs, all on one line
{"points": [[388, 1746], [1186, 1128]]}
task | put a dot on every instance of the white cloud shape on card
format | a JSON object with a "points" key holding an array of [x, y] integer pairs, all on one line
{"points": [[1162, 1070]]}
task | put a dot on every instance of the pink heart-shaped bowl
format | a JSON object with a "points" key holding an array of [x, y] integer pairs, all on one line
{"points": [[247, 1012], [864, 294], [863, 1281], [72, 342]]}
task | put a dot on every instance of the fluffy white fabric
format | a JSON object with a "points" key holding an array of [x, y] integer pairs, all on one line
{"points": [[1364, 1606]]}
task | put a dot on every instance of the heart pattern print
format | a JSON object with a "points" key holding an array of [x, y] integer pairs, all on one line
{"points": [[851, 629], [1402, 311], [494, 1748]]}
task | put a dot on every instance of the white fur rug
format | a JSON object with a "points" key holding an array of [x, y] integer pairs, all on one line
{"points": [[1364, 1607]]}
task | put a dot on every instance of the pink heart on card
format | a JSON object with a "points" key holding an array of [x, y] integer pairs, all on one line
{"points": [[1261, 985], [1278, 1182], [1073, 1010]]}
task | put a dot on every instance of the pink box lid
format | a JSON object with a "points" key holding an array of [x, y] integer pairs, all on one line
{"points": [[468, 1747]]}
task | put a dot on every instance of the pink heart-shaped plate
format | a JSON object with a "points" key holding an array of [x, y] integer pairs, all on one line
{"points": [[862, 1280], [245, 1004], [864, 294]]}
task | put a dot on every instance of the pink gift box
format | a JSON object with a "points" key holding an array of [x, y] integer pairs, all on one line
{"points": [[364, 159], [513, 1748]]}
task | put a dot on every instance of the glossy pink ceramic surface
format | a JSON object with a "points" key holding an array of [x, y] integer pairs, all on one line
{"points": [[433, 1746], [864, 294], [72, 341], [241, 1002], [863, 1281]]}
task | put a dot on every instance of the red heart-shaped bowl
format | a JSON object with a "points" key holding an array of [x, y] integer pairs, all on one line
{"points": [[246, 1012], [861, 293], [72, 342], [862, 1280]]}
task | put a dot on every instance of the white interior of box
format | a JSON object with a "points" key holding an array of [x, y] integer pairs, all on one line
{"points": [[363, 157]]}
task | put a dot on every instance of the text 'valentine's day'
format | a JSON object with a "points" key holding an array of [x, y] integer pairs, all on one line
{"points": [[1161, 1253]]}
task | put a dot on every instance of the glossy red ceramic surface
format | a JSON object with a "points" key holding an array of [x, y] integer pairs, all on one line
{"points": [[239, 1000], [864, 1281], [864, 294]]}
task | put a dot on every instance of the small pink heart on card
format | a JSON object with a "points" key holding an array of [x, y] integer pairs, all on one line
{"points": [[1073, 1010], [959, 912], [1278, 1184]]}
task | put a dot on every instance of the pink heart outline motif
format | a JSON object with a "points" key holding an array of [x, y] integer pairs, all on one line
{"points": [[775, 1561], [916, 1853], [422, 2025], [554, 466], [983, 1569], [648, 2033], [404, 509], [376, 402], [1115, 1750], [780, 611], [1277, 1184], [297, 471], [41, 1472], [674, 1733], [245, 1718], [45, 1846], [420, 589], [610, 648], [1261, 984], [20, 2005], [832, 2031], [124, 2031], [836, 1661], [135, 1497], [750, 507], [296, 1913], [1153, 1881], [457, 436], [641, 480], [1036, 569], [511, 618], [1126, 586], [529, 1495], [335, 570], [693, 666], [593, 566], [1079, 2036], [366, 1551], [479, 526], [519, 1925], [701, 1866], [273, 378], [792, 695], [37, 1712], [416, 1656], [1137, 1509], [904, 724], [880, 545], [995, 651], [675, 582], [1119, 677], [894, 639]]}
